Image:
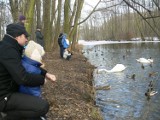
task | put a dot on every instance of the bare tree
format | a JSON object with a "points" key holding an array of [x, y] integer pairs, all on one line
{"points": [[46, 13], [66, 25], [38, 13], [14, 9], [30, 15], [73, 32], [128, 3], [58, 24]]}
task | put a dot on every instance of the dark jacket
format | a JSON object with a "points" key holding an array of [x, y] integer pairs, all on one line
{"points": [[21, 23], [31, 66], [60, 40], [39, 38], [12, 73]]}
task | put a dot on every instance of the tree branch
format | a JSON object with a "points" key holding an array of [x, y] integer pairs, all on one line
{"points": [[94, 9], [141, 16], [152, 17], [141, 5], [156, 4], [100, 9]]}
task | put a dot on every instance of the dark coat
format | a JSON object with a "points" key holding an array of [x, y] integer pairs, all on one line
{"points": [[39, 38], [60, 40], [21, 23], [12, 73]]}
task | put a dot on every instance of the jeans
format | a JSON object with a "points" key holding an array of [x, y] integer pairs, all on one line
{"points": [[61, 52]]}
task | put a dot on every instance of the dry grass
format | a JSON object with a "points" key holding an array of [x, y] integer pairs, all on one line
{"points": [[71, 97]]}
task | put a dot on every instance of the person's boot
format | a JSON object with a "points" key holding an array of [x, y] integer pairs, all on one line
{"points": [[43, 118], [2, 115]]}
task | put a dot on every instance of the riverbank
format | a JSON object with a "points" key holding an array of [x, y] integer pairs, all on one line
{"points": [[72, 96]]}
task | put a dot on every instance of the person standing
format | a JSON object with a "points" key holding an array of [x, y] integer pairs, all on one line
{"points": [[22, 20], [63, 43], [39, 37], [17, 105]]}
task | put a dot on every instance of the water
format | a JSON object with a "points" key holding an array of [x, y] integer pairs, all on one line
{"points": [[126, 99]]}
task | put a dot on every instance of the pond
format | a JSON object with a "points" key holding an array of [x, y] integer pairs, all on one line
{"points": [[126, 99]]}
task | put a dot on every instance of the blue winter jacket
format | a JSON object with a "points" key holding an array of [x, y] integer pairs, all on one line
{"points": [[31, 66], [64, 42]]}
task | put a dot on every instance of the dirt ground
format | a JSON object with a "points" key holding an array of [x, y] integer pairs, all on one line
{"points": [[72, 95]]}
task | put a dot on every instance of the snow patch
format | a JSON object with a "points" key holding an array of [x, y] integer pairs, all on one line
{"points": [[136, 40]]}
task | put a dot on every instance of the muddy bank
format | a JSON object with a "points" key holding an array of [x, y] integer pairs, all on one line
{"points": [[71, 97]]}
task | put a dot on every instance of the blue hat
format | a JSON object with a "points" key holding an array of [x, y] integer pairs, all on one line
{"points": [[16, 30]]}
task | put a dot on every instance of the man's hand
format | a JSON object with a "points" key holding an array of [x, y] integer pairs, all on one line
{"points": [[51, 77]]}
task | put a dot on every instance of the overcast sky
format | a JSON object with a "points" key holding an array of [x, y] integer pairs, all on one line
{"points": [[90, 2]]}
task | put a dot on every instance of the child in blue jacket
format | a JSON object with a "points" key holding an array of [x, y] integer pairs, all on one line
{"points": [[32, 61]]}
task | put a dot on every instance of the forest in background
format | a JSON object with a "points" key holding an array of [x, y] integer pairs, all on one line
{"points": [[106, 20], [123, 20]]}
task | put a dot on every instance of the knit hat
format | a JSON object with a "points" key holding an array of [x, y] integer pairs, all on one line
{"points": [[22, 17], [34, 51], [16, 30]]}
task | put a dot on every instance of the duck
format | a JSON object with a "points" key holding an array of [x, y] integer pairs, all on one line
{"points": [[116, 68], [152, 74], [150, 93], [123, 57], [131, 77], [150, 83], [153, 93], [144, 60]]}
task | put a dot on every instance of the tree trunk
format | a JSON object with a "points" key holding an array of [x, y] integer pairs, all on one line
{"points": [[38, 11], [58, 25], [14, 9], [52, 22], [29, 16], [77, 17], [73, 13], [66, 25], [47, 35]]}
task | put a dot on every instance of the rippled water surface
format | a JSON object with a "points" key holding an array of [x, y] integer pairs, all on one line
{"points": [[126, 99]]}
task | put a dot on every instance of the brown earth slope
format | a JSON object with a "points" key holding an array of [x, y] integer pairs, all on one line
{"points": [[71, 97]]}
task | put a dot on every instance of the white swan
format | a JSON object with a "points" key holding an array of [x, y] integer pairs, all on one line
{"points": [[144, 60], [117, 68]]}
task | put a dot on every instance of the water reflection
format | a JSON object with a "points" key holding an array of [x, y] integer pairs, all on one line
{"points": [[126, 99]]}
